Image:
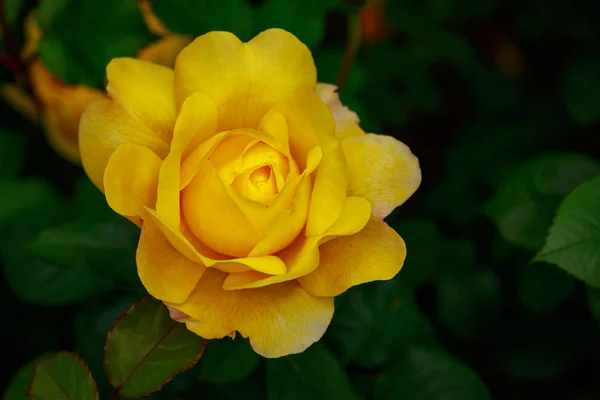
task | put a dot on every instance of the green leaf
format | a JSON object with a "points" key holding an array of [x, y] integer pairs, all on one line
{"points": [[90, 201], [63, 377], [469, 301], [426, 374], [17, 388], [32, 200], [314, 374], [523, 206], [93, 320], [573, 242], [146, 348], [375, 322], [541, 287], [12, 154], [228, 360], [26, 207], [582, 89], [81, 37], [304, 18], [36, 281], [107, 246], [193, 17]]}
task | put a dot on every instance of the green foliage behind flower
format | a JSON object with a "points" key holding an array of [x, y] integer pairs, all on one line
{"points": [[498, 297]]}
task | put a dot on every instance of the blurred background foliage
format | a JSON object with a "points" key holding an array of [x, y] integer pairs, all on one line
{"points": [[499, 99]]}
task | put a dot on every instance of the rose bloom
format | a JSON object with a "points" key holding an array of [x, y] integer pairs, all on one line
{"points": [[259, 197]]}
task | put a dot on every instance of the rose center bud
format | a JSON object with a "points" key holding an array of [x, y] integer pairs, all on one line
{"points": [[238, 193], [260, 174]]}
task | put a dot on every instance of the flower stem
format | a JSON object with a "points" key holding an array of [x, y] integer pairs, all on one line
{"points": [[352, 49]]}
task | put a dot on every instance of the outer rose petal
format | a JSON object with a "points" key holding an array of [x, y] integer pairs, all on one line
{"points": [[145, 89], [374, 253], [164, 271], [245, 80], [279, 319], [382, 170], [104, 126], [61, 106], [346, 120], [131, 179]]}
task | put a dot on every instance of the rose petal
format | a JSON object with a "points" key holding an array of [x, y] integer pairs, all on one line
{"points": [[279, 319], [375, 253], [245, 80], [382, 170]]}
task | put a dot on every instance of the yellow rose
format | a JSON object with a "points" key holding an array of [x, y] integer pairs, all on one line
{"points": [[258, 203]]}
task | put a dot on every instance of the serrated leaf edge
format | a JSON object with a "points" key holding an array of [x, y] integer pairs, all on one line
{"points": [[118, 388], [77, 358]]}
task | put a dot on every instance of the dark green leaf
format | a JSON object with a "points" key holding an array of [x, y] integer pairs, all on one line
{"points": [[523, 206], [574, 239], [228, 360], [17, 388], [28, 206], [146, 348], [36, 281], [90, 202], [427, 374], [196, 18], [314, 374], [468, 302], [63, 377], [33, 200], [92, 322], [107, 246], [541, 287], [12, 154], [375, 322], [81, 37], [582, 90]]}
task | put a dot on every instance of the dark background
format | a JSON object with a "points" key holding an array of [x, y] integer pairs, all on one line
{"points": [[499, 100]]}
